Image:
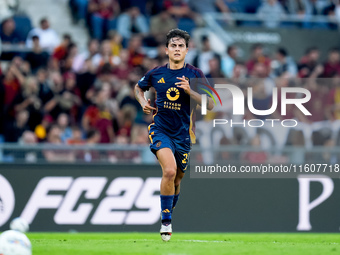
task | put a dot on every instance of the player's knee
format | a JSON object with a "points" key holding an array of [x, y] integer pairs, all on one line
{"points": [[169, 173]]}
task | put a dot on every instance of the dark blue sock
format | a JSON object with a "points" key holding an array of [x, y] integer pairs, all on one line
{"points": [[166, 206], [176, 197]]}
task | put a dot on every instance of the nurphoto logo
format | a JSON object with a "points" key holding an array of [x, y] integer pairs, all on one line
{"points": [[238, 99]]}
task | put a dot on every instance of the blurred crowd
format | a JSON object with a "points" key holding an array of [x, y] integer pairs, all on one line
{"points": [[57, 94], [103, 15], [264, 71]]}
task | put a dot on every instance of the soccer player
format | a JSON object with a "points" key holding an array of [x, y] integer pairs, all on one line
{"points": [[171, 133]]}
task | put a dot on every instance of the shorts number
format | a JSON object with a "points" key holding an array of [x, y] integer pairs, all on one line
{"points": [[185, 160]]}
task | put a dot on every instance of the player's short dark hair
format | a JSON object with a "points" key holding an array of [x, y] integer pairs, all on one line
{"points": [[178, 33]]}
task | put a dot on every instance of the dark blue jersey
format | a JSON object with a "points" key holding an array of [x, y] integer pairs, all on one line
{"points": [[175, 114]]}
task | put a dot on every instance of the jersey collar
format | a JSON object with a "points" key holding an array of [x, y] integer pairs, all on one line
{"points": [[168, 66]]}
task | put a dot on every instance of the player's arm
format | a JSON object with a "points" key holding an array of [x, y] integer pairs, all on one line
{"points": [[139, 94], [184, 84]]}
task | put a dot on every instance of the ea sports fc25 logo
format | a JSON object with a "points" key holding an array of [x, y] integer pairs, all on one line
{"points": [[7, 200], [172, 94]]}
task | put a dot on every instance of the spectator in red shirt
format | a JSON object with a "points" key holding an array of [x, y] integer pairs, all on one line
{"points": [[123, 69], [73, 90], [135, 51], [66, 64], [98, 117], [332, 66], [60, 52], [258, 57], [309, 64], [12, 83]]}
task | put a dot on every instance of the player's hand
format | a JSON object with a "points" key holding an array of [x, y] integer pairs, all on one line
{"points": [[147, 108], [184, 84]]}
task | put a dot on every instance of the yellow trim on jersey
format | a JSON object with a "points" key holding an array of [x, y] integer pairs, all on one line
{"points": [[152, 133], [153, 116], [191, 132], [150, 126]]}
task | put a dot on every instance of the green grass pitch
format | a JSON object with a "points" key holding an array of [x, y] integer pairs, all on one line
{"points": [[184, 243]]}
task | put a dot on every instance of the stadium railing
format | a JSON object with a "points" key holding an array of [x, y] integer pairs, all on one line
{"points": [[286, 18], [140, 154]]}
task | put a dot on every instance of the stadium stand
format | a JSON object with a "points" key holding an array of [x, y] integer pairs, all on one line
{"points": [[75, 96]]}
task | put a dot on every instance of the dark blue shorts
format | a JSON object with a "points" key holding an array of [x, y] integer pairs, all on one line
{"points": [[181, 150]]}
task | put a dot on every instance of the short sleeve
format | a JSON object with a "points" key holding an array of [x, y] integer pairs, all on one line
{"points": [[145, 82]]}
